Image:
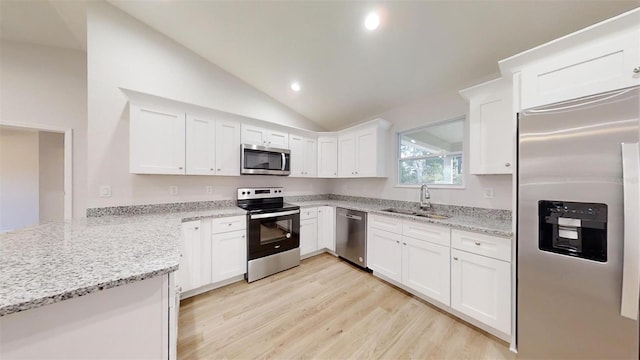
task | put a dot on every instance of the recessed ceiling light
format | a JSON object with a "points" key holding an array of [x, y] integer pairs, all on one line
{"points": [[295, 86], [372, 21]]}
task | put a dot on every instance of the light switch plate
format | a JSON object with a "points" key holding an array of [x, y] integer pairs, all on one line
{"points": [[173, 190], [105, 191], [488, 193]]}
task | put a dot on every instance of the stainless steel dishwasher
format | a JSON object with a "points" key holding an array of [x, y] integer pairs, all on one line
{"points": [[351, 236]]}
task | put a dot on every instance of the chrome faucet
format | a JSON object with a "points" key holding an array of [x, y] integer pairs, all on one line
{"points": [[425, 202]]}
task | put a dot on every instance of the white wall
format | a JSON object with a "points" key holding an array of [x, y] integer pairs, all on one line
{"points": [[51, 176], [42, 85], [124, 53], [447, 105], [19, 200]]}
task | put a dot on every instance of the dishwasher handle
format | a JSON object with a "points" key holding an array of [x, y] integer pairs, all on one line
{"points": [[349, 216]]}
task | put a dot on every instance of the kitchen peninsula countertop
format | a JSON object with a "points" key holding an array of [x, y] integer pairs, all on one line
{"points": [[48, 263], [469, 221]]}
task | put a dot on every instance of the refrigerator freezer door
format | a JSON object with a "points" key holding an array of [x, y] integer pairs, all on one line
{"points": [[568, 306]]}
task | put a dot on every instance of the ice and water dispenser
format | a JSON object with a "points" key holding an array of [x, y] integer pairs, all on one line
{"points": [[573, 229]]}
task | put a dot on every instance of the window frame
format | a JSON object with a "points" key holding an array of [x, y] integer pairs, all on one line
{"points": [[463, 172]]}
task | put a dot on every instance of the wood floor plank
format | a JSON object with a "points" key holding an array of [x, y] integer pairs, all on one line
{"points": [[324, 309]]}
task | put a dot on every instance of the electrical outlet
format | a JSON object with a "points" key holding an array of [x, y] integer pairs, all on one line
{"points": [[208, 189], [173, 190], [488, 193], [105, 191]]}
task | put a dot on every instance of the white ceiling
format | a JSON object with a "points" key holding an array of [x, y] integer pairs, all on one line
{"points": [[347, 73]]}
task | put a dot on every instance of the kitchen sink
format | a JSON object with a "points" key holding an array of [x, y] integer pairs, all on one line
{"points": [[419, 213]]}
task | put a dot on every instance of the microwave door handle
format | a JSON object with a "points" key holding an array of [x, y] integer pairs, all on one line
{"points": [[284, 161], [631, 265]]}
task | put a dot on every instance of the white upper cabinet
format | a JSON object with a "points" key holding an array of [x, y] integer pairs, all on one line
{"points": [[491, 127], [227, 146], [600, 58], [156, 141], [264, 137], [201, 146], [327, 156], [362, 150], [303, 156]]}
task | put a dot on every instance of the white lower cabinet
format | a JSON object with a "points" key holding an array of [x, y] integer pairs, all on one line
{"points": [[481, 289], [228, 248], [327, 228], [425, 268], [308, 236], [195, 264], [423, 258], [213, 250], [384, 253]]}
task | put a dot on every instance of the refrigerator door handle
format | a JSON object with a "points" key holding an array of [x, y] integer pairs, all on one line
{"points": [[631, 267]]}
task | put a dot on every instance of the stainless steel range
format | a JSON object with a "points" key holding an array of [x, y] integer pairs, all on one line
{"points": [[273, 231]]}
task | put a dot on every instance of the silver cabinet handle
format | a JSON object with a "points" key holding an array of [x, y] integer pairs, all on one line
{"points": [[397, 242], [243, 236], [230, 224], [455, 258], [477, 243], [404, 243], [211, 169], [507, 164], [636, 70], [180, 168], [219, 170], [196, 228]]}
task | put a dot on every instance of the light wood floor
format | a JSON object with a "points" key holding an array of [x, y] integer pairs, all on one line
{"points": [[324, 309]]}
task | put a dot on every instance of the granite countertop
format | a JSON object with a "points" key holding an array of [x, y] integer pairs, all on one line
{"points": [[482, 223], [48, 263]]}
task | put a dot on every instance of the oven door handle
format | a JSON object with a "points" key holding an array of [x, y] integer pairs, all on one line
{"points": [[275, 214]]}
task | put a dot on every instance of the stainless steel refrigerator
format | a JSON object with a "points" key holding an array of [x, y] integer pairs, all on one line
{"points": [[578, 270]]}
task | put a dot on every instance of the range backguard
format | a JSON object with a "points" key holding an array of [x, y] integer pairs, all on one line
{"points": [[573, 229]]}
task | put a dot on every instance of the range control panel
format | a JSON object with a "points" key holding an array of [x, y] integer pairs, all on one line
{"points": [[259, 193]]}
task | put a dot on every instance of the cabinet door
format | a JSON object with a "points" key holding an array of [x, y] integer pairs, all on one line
{"points": [[277, 139], [425, 268], [327, 228], [228, 255], [227, 148], [201, 145], [195, 263], [311, 157], [366, 159], [308, 236], [481, 288], [297, 147], [327, 156], [156, 141], [605, 63], [253, 135], [492, 130], [384, 253], [347, 155]]}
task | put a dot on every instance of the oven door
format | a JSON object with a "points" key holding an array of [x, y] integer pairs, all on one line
{"points": [[261, 160], [272, 233]]}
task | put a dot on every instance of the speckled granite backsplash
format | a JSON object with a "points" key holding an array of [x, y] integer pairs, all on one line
{"points": [[438, 208], [208, 205], [159, 208]]}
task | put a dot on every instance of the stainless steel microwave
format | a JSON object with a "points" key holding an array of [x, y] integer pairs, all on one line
{"points": [[262, 160]]}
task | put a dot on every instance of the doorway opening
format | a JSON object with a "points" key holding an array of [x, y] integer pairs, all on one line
{"points": [[35, 175]]}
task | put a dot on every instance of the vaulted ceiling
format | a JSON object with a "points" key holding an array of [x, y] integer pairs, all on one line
{"points": [[347, 73]]}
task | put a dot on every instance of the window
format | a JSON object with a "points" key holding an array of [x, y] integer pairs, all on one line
{"points": [[431, 154]]}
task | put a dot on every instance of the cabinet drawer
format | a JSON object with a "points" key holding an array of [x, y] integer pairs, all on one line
{"points": [[308, 213], [227, 224], [436, 234], [492, 246], [385, 223]]}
